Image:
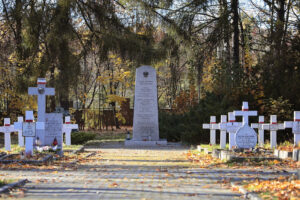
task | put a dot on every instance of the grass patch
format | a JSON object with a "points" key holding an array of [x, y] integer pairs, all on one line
{"points": [[215, 146], [15, 148], [6, 181], [71, 147]]}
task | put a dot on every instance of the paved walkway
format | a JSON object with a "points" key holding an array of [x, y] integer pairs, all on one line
{"points": [[119, 173]]}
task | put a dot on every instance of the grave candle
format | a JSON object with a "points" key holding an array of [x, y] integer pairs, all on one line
{"points": [[273, 127], [212, 126]]}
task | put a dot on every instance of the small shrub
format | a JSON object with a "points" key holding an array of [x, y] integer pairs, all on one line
{"points": [[82, 137]]}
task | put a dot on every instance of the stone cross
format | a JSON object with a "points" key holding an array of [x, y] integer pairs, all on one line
{"points": [[212, 126], [18, 127], [231, 127], [67, 129], [7, 129], [28, 140], [41, 91], [261, 131], [222, 127], [245, 113], [245, 137], [295, 125], [273, 127]]}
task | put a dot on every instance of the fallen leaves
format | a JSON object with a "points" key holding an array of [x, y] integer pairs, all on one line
{"points": [[207, 161], [282, 188]]}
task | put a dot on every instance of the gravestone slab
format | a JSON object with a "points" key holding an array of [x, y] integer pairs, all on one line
{"points": [[246, 137], [145, 120], [53, 129]]}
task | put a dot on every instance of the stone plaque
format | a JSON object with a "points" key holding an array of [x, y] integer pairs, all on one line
{"points": [[28, 129], [145, 120], [246, 137], [53, 128]]}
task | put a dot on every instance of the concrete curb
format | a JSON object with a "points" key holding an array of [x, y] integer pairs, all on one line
{"points": [[246, 194], [10, 186]]}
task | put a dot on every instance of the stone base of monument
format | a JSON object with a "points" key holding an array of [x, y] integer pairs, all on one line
{"points": [[145, 143], [295, 155], [15, 158]]}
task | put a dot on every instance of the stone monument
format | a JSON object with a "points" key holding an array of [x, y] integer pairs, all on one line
{"points": [[67, 129], [18, 127], [213, 127], [245, 137], [261, 131], [273, 127], [41, 91], [7, 129], [53, 130], [295, 125], [145, 120]]}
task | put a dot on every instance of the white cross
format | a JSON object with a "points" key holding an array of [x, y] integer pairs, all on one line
{"points": [[7, 129], [212, 126], [273, 127], [222, 127], [29, 141], [41, 91], [18, 127], [67, 128], [295, 125], [261, 131], [245, 113], [231, 127]]}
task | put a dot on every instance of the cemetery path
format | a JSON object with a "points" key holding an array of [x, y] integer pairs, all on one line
{"points": [[113, 172]]}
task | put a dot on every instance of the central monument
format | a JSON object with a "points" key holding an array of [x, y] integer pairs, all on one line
{"points": [[145, 119]]}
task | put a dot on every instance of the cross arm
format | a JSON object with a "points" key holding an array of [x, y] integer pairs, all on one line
{"points": [[254, 125], [33, 91], [18, 125], [50, 91], [288, 124], [206, 126], [266, 126]]}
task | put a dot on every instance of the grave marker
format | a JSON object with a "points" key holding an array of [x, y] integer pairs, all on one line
{"points": [[7, 129], [41, 91], [67, 129], [231, 127], [29, 132], [18, 127], [273, 127], [145, 120], [222, 127], [53, 130], [261, 131], [212, 126], [295, 125], [245, 137]]}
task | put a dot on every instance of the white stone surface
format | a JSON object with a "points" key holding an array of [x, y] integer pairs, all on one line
{"points": [[246, 137], [18, 127], [145, 120], [41, 91], [7, 129], [273, 127], [245, 113], [231, 127], [212, 126], [29, 140], [53, 129], [67, 129], [223, 131], [295, 125], [261, 131]]}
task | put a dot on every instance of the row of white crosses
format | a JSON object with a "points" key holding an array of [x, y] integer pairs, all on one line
{"points": [[232, 127]]}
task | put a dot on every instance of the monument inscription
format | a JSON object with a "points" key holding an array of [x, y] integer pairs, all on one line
{"points": [[145, 121], [246, 137], [53, 128]]}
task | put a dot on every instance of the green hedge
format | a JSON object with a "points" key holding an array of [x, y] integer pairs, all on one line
{"points": [[82, 137]]}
